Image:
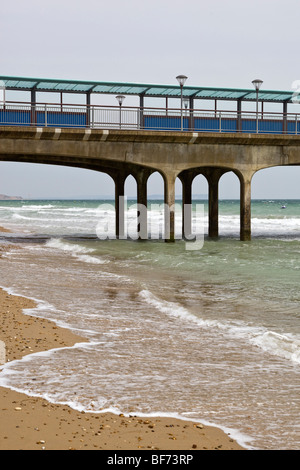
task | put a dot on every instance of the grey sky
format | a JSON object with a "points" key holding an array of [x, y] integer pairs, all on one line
{"points": [[214, 43]]}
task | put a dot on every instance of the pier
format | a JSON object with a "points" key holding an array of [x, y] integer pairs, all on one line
{"points": [[139, 140]]}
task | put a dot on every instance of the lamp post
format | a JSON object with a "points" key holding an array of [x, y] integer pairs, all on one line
{"points": [[186, 105], [257, 84], [120, 99], [181, 80]]}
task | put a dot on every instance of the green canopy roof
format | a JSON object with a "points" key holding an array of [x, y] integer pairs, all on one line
{"points": [[78, 86]]}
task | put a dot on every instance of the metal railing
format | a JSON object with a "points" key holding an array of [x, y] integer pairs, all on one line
{"points": [[135, 118]]}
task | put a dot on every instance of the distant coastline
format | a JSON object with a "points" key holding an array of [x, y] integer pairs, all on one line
{"points": [[3, 197]]}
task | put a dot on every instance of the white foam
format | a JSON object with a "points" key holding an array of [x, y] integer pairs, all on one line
{"points": [[35, 207], [92, 259], [280, 345], [73, 248], [17, 216], [175, 310], [78, 251]]}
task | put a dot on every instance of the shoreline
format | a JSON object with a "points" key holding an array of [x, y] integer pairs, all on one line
{"points": [[33, 423], [29, 423]]}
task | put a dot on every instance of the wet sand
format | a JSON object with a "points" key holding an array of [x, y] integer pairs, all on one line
{"points": [[28, 423], [4, 230]]}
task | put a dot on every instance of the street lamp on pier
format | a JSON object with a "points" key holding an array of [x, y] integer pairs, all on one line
{"points": [[120, 99], [186, 103], [257, 84], [181, 80]]}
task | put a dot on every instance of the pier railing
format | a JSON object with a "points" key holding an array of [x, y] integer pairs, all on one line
{"points": [[135, 118]]}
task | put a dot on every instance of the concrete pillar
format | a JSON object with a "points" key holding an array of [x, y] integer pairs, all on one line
{"points": [[245, 204], [119, 204], [213, 176], [169, 181], [187, 180], [141, 179], [213, 207]]}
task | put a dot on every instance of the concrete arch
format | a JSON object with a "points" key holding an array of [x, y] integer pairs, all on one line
{"points": [[60, 180], [130, 193], [130, 186], [200, 187], [155, 189], [188, 180], [139, 175], [213, 175], [155, 185], [281, 186], [231, 180]]}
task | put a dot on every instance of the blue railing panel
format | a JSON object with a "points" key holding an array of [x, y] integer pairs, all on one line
{"points": [[134, 118], [58, 119], [41, 118], [206, 124], [164, 122], [13, 117]]}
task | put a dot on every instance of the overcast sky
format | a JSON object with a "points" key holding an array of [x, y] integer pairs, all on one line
{"points": [[216, 43]]}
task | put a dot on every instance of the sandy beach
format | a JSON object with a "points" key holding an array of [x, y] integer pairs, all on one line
{"points": [[28, 423]]}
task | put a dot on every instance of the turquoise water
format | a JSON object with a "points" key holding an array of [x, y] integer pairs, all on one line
{"points": [[210, 334]]}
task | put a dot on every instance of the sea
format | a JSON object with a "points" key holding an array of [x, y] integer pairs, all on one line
{"points": [[206, 332]]}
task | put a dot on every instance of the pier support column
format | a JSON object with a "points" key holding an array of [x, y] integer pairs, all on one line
{"points": [[213, 176], [213, 209], [187, 181], [170, 208], [245, 210], [119, 204], [141, 179]]}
